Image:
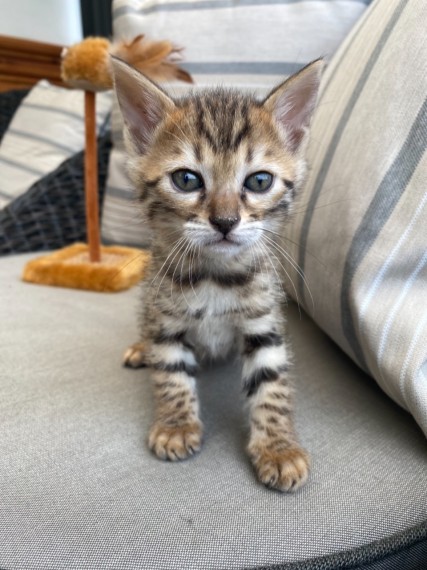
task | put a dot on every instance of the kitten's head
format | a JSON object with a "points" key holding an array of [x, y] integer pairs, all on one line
{"points": [[217, 168]]}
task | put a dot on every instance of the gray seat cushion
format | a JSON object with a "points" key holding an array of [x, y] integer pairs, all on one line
{"points": [[80, 490]]}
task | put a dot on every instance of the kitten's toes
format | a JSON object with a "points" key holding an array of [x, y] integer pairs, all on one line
{"points": [[134, 356], [175, 442], [283, 469]]}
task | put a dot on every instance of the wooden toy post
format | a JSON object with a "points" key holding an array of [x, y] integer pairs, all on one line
{"points": [[86, 66], [91, 178]]}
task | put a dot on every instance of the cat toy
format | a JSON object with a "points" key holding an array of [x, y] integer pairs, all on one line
{"points": [[91, 266]]}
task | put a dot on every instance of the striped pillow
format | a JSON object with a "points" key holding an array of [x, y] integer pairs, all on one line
{"points": [[47, 129], [360, 232], [252, 44]]}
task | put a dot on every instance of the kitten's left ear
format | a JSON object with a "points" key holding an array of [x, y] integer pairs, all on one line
{"points": [[143, 104], [292, 103]]}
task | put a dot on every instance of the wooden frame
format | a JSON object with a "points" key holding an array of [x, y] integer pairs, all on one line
{"points": [[24, 62]]}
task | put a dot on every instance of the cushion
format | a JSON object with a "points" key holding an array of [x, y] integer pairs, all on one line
{"points": [[80, 489], [52, 213], [47, 128], [359, 235], [250, 44]]}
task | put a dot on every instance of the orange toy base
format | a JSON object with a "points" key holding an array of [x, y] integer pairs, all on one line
{"points": [[119, 268]]}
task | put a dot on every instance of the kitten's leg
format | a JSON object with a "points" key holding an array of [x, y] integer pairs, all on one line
{"points": [[177, 430], [136, 355], [277, 457]]}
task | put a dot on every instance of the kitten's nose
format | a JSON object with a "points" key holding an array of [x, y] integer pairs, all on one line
{"points": [[224, 224]]}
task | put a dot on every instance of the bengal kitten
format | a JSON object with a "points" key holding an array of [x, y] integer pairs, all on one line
{"points": [[216, 173]]}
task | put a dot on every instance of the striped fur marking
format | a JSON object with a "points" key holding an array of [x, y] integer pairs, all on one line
{"points": [[226, 280], [173, 367], [165, 338], [256, 341], [264, 374]]}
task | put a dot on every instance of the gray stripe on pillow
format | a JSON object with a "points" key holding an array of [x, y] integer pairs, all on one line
{"points": [[380, 209], [39, 138], [243, 67], [391, 259], [124, 193], [210, 5], [129, 234], [65, 112], [330, 152], [20, 165], [52, 110], [358, 29], [117, 222]]}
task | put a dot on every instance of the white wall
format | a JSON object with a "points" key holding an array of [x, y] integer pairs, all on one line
{"points": [[52, 21]]}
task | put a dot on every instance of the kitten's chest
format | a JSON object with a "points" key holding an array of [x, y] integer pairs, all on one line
{"points": [[220, 311], [212, 292], [200, 301], [214, 300], [211, 299]]}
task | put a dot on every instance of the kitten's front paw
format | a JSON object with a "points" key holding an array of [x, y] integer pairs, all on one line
{"points": [[283, 469], [175, 442], [134, 356]]}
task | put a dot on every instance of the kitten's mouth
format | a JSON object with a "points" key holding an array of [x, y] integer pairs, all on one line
{"points": [[224, 242], [223, 246]]}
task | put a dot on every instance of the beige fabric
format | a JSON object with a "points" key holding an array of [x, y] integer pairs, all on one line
{"points": [[80, 489], [361, 226]]}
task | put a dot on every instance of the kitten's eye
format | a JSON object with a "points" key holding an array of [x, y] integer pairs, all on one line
{"points": [[259, 182], [187, 180]]}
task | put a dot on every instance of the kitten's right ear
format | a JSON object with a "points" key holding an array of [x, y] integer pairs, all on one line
{"points": [[143, 104], [292, 103]]}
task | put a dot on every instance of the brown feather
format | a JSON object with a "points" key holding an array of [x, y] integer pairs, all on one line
{"points": [[156, 59]]}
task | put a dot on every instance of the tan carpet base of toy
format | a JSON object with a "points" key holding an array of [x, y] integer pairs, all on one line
{"points": [[119, 268]]}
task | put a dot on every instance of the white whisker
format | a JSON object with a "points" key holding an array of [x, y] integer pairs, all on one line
{"points": [[289, 277], [293, 263], [190, 273], [180, 252], [268, 254], [183, 256], [282, 236], [164, 263], [182, 242]]}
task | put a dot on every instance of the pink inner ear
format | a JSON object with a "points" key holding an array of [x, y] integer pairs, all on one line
{"points": [[141, 116], [296, 116], [294, 103], [295, 138], [142, 103], [141, 113]]}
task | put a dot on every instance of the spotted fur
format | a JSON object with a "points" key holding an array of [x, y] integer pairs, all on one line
{"points": [[214, 283]]}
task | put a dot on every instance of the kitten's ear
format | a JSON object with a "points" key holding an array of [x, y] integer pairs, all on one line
{"points": [[292, 103], [143, 104]]}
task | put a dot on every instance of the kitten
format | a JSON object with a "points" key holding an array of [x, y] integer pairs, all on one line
{"points": [[216, 173]]}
